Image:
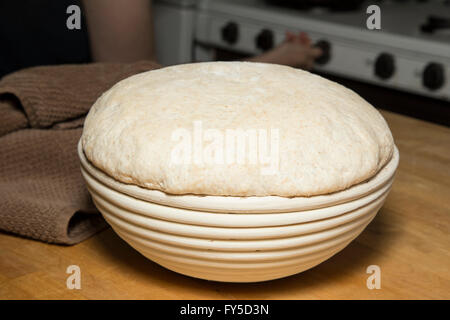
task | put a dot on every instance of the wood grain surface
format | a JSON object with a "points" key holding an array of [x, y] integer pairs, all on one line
{"points": [[409, 239]]}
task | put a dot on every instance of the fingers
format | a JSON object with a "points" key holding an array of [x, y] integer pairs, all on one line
{"points": [[301, 38], [312, 54], [304, 38], [315, 52], [289, 36], [298, 51]]}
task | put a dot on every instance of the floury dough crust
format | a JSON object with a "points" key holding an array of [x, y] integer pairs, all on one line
{"points": [[329, 137]]}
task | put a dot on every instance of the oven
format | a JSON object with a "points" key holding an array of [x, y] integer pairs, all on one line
{"points": [[403, 67]]}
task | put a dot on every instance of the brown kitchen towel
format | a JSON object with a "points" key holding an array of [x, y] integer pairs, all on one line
{"points": [[42, 109]]}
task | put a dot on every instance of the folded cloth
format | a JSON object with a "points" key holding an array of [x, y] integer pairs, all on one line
{"points": [[42, 110]]}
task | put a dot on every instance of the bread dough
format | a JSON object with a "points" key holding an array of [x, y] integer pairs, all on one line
{"points": [[169, 129]]}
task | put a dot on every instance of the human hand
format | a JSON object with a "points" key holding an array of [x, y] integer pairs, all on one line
{"points": [[295, 51]]}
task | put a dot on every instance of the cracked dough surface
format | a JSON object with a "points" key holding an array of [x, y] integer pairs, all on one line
{"points": [[329, 138]]}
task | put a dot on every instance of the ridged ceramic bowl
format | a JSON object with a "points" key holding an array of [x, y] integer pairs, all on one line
{"points": [[237, 239]]}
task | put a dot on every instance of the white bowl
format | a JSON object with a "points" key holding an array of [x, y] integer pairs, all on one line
{"points": [[257, 239]]}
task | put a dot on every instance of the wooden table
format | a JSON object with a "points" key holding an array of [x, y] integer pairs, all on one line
{"points": [[409, 239]]}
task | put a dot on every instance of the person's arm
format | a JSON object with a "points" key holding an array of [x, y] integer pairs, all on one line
{"points": [[295, 51], [120, 30]]}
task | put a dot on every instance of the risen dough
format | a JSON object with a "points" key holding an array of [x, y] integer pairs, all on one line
{"points": [[329, 137]]}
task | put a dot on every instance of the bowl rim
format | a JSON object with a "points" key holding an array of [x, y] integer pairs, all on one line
{"points": [[251, 204], [228, 219]]}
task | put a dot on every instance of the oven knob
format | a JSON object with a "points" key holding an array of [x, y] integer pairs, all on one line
{"points": [[326, 51], [264, 40], [230, 33], [385, 66], [433, 76]]}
